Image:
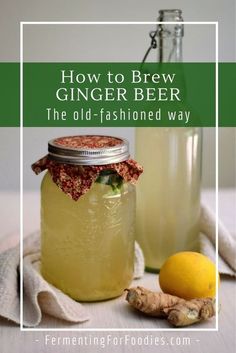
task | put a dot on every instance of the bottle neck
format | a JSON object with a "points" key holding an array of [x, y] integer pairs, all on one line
{"points": [[170, 49], [169, 36]]}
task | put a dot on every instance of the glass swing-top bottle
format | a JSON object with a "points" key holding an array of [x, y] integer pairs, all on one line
{"points": [[168, 194]]}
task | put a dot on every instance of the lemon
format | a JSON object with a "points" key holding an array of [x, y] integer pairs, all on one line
{"points": [[188, 275]]}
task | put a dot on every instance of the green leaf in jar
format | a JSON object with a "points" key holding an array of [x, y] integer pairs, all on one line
{"points": [[109, 177]]}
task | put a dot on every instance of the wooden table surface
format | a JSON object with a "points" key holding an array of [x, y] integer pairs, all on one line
{"points": [[116, 314]]}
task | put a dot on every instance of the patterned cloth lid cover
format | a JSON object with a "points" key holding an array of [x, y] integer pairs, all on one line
{"points": [[69, 162]]}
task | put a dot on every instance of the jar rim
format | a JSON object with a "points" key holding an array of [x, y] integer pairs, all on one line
{"points": [[106, 150]]}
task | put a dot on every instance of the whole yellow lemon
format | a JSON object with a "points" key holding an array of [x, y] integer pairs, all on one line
{"points": [[188, 275]]}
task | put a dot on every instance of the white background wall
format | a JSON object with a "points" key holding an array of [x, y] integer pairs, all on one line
{"points": [[57, 43]]}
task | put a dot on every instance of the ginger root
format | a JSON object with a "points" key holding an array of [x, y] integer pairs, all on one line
{"points": [[179, 312]]}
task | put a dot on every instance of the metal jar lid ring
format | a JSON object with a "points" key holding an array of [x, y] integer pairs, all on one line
{"points": [[88, 150]]}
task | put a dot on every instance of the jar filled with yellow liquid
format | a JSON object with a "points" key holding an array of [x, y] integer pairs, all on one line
{"points": [[88, 216], [168, 194]]}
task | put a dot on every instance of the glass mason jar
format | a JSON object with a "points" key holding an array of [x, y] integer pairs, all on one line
{"points": [[168, 194], [87, 246]]}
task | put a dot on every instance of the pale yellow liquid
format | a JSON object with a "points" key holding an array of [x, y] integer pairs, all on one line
{"points": [[88, 245], [168, 192]]}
